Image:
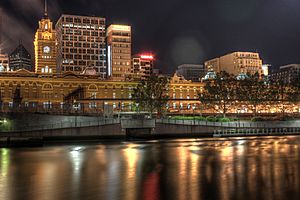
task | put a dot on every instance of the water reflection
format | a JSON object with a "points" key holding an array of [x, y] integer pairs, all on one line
{"points": [[239, 168]]}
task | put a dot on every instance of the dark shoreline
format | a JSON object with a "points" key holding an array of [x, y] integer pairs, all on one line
{"points": [[13, 142]]}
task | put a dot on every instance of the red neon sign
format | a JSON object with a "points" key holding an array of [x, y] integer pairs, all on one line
{"points": [[147, 57]]}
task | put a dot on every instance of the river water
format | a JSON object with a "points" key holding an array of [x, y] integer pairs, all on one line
{"points": [[237, 168]]}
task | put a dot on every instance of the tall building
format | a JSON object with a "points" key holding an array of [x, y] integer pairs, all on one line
{"points": [[81, 43], [119, 52], [142, 66], [20, 58], [286, 74], [4, 62], [191, 72], [45, 46], [236, 63]]}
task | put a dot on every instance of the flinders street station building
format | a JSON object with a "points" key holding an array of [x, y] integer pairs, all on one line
{"points": [[82, 67]]}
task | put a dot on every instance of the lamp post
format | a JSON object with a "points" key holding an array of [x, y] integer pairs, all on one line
{"points": [[75, 106], [194, 107]]}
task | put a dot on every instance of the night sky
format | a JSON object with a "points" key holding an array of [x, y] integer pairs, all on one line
{"points": [[177, 31]]}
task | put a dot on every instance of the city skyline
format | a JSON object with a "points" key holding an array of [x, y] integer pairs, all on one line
{"points": [[208, 35]]}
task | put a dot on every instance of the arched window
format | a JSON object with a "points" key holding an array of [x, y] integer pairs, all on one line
{"points": [[93, 87], [47, 87]]}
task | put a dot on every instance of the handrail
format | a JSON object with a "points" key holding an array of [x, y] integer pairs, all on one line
{"points": [[63, 125]]}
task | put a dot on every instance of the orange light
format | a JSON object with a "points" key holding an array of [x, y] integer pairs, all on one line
{"points": [[147, 57]]}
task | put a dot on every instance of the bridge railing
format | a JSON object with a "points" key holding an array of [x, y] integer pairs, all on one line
{"points": [[63, 125], [236, 124], [227, 132]]}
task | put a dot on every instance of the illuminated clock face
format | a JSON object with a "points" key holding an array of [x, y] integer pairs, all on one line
{"points": [[46, 49]]}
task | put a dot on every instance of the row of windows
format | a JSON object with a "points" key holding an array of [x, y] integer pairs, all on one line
{"points": [[49, 105], [125, 51], [83, 39], [72, 32], [121, 34], [84, 63], [84, 20], [125, 40], [84, 45], [121, 57], [84, 51], [46, 70], [121, 69], [122, 45], [84, 57], [121, 63], [101, 69]]}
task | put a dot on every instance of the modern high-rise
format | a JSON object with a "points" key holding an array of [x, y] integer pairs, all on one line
{"points": [[119, 52], [236, 63], [142, 66], [191, 72], [286, 74], [81, 44], [45, 46], [20, 58]]}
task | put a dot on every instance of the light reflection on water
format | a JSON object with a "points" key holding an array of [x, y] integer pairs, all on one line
{"points": [[241, 168]]}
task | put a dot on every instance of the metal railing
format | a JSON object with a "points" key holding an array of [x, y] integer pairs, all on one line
{"points": [[256, 131], [236, 124], [63, 125]]}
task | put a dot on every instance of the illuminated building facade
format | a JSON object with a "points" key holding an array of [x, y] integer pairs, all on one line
{"points": [[236, 63], [119, 52], [20, 58], [191, 72], [286, 74], [4, 62], [142, 66], [56, 93], [45, 46], [81, 43]]}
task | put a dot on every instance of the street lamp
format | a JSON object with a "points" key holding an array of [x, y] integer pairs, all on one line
{"points": [[194, 107], [76, 107]]}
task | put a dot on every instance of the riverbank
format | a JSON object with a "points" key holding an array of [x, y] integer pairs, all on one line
{"points": [[14, 142]]}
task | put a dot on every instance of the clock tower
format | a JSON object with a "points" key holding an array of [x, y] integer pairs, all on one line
{"points": [[45, 46]]}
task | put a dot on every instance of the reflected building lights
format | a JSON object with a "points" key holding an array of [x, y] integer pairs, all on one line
{"points": [[76, 159], [183, 189], [195, 172], [130, 183], [4, 171]]}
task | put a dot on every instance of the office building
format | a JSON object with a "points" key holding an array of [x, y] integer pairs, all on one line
{"points": [[119, 52], [191, 72], [286, 74], [80, 44], [20, 58], [236, 63], [45, 46], [142, 66]]}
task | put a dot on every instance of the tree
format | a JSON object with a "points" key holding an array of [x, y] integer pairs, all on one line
{"points": [[285, 93], [220, 92], [151, 94], [253, 89]]}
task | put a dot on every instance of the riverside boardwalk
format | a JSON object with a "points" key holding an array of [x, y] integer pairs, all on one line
{"points": [[240, 128], [92, 129]]}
